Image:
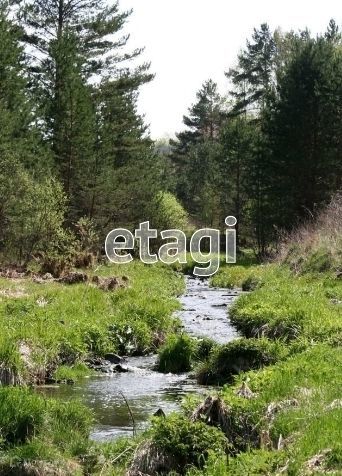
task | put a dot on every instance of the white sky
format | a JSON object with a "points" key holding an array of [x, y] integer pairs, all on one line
{"points": [[189, 41]]}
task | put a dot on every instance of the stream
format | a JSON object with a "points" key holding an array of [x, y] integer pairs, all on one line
{"points": [[204, 313]]}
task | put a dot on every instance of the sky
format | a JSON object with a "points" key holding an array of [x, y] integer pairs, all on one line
{"points": [[190, 41]]}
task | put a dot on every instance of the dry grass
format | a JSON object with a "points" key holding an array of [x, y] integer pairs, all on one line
{"points": [[317, 244]]}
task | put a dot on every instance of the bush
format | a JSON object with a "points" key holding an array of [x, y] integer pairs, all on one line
{"points": [[87, 243], [168, 213], [176, 354], [239, 356], [34, 216], [187, 443]]}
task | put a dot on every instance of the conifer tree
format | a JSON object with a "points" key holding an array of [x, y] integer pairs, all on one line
{"points": [[253, 76], [72, 44], [190, 155]]}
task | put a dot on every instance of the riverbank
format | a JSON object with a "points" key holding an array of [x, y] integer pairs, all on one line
{"points": [[155, 382], [280, 407], [52, 331]]}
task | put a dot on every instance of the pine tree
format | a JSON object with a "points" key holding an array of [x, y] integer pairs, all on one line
{"points": [[190, 152], [253, 76], [18, 136], [72, 43], [305, 129], [237, 139], [127, 177]]}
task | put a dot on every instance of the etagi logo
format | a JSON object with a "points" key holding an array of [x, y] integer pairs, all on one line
{"points": [[120, 240]]}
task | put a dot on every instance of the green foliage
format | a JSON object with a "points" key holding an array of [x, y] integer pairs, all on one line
{"points": [[168, 213], [244, 276], [112, 458], [238, 356], [35, 215], [193, 153], [187, 443], [289, 308], [77, 371], [176, 354], [204, 347], [63, 331], [25, 415]]}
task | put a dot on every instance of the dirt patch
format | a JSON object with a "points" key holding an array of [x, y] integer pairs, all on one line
{"points": [[16, 293], [317, 464]]}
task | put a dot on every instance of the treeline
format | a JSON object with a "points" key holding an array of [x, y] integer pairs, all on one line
{"points": [[75, 156], [270, 151]]}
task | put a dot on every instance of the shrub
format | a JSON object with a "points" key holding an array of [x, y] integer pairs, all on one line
{"points": [[34, 217], [87, 243], [176, 354], [239, 356], [188, 443], [168, 213]]}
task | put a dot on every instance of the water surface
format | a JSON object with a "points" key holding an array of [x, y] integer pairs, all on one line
{"points": [[204, 313]]}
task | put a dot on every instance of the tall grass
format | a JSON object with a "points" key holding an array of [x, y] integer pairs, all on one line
{"points": [[81, 320], [317, 244]]}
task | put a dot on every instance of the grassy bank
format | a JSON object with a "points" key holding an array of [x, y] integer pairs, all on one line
{"points": [[278, 409], [51, 330], [279, 406], [48, 327]]}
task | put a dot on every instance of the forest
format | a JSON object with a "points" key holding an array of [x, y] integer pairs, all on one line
{"points": [[77, 160], [76, 157]]}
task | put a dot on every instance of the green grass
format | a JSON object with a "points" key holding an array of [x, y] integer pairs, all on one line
{"points": [[290, 358], [291, 308], [50, 329], [180, 353], [185, 443], [176, 354], [73, 373], [34, 428], [226, 361], [79, 320], [311, 380]]}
